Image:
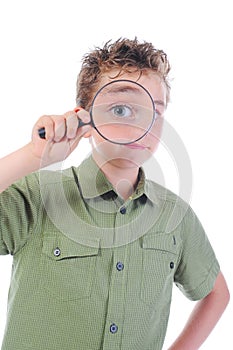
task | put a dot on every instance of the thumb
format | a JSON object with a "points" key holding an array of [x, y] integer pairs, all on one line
{"points": [[84, 131]]}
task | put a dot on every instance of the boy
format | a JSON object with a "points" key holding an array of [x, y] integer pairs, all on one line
{"points": [[95, 253]]}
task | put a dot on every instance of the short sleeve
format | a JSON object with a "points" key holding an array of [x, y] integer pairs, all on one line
{"points": [[198, 267], [19, 208]]}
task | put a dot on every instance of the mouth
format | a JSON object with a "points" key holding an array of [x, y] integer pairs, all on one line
{"points": [[136, 146]]}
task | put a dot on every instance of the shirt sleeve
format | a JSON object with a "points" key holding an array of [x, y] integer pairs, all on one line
{"points": [[19, 210], [198, 267]]}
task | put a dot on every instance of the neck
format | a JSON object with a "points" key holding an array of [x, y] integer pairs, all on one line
{"points": [[121, 174]]}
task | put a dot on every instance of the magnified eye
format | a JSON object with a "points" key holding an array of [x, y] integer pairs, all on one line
{"points": [[122, 111]]}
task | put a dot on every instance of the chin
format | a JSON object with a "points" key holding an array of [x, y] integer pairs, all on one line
{"points": [[120, 155], [131, 161]]}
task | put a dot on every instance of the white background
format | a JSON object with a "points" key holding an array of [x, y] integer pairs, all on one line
{"points": [[42, 43]]}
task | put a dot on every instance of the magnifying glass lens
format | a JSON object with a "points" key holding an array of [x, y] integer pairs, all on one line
{"points": [[122, 111]]}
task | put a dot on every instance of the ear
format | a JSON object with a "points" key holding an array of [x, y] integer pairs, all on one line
{"points": [[77, 109], [88, 133]]}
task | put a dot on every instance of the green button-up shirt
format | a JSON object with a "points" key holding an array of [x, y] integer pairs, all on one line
{"points": [[92, 272]]}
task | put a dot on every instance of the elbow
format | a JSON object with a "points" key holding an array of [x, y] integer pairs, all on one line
{"points": [[225, 293], [227, 296], [221, 290]]}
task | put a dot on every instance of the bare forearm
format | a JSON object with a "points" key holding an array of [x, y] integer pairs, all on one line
{"points": [[17, 165], [203, 319]]}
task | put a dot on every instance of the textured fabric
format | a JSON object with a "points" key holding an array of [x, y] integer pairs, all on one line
{"points": [[93, 272]]}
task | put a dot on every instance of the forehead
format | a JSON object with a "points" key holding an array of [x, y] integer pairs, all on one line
{"points": [[149, 80]]}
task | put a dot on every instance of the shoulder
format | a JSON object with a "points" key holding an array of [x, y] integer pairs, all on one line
{"points": [[162, 193], [49, 177], [57, 184], [171, 207]]}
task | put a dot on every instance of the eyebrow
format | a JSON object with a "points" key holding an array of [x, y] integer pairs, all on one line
{"points": [[117, 89], [160, 103], [133, 89]]}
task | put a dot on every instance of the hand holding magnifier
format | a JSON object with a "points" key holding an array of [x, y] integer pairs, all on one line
{"points": [[122, 112]]}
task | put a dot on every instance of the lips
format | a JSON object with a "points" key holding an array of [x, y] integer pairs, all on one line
{"points": [[136, 146]]}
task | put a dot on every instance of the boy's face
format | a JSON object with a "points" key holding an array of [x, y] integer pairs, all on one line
{"points": [[134, 154]]}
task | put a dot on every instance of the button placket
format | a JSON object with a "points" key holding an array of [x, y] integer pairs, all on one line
{"points": [[116, 307]]}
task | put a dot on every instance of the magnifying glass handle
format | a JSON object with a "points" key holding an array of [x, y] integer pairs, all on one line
{"points": [[42, 134]]}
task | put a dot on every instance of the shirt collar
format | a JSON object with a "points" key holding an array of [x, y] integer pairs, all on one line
{"points": [[92, 180], [94, 183]]}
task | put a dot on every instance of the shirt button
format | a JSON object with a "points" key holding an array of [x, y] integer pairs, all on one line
{"points": [[57, 252], [172, 265], [120, 266], [123, 210], [113, 328]]}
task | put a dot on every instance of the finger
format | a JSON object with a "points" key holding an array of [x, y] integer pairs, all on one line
{"points": [[81, 132], [59, 128], [47, 123], [84, 116], [71, 124]]}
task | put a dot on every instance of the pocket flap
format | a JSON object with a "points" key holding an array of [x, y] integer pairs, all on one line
{"points": [[57, 246], [162, 241]]}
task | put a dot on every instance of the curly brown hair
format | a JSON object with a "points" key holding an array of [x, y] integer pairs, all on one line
{"points": [[125, 55]]}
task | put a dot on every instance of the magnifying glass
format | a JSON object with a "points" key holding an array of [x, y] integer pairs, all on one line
{"points": [[122, 112]]}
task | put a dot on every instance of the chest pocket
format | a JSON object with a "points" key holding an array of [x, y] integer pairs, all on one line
{"points": [[160, 253], [69, 267]]}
